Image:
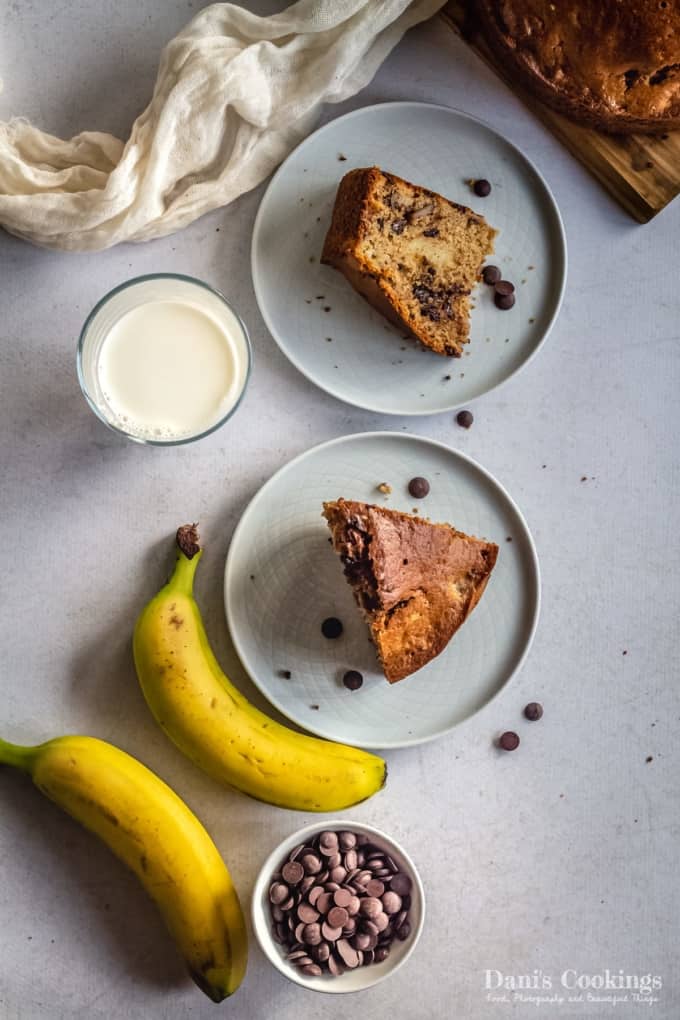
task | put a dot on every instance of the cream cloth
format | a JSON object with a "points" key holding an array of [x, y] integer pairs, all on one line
{"points": [[234, 94]]}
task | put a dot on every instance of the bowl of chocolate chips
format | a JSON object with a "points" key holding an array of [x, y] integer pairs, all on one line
{"points": [[338, 906]]}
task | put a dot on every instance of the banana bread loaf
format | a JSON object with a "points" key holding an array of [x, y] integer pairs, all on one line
{"points": [[614, 65]]}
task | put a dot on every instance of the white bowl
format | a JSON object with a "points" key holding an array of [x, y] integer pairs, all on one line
{"points": [[361, 977]]}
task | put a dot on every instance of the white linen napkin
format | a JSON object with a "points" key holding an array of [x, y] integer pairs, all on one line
{"points": [[234, 94]]}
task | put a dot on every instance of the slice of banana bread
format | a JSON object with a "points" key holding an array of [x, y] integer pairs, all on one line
{"points": [[415, 582], [411, 253]]}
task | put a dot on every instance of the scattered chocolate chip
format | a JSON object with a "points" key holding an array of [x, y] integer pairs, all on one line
{"points": [[533, 711], [285, 674], [314, 708], [329, 339], [352, 680], [432, 232], [447, 378], [482, 187], [649, 758], [331, 627], [398, 226], [491, 275], [341, 158], [465, 419], [327, 308], [504, 287], [508, 538], [504, 302], [419, 487], [625, 652], [508, 741]]}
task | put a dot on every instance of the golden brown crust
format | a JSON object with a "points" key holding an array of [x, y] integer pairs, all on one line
{"points": [[414, 255], [614, 65], [415, 582]]}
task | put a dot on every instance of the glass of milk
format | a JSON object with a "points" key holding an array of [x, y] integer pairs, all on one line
{"points": [[164, 359]]}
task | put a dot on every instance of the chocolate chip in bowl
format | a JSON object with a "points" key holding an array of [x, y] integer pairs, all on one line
{"points": [[347, 916]]}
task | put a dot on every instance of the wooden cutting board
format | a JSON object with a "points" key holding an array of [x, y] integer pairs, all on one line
{"points": [[642, 172]]}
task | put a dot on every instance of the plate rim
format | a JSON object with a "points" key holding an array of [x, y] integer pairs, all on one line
{"points": [[362, 436], [330, 389]]}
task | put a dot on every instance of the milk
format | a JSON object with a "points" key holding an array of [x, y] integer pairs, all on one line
{"points": [[168, 360]]}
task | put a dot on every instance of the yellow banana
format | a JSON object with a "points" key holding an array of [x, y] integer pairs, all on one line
{"points": [[215, 726], [151, 830]]}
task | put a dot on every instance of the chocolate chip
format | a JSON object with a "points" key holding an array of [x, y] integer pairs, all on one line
{"points": [[508, 741], [311, 864], [342, 897], [312, 970], [334, 966], [491, 275], [533, 711], [352, 680], [504, 301], [292, 872], [311, 934], [481, 188], [404, 932], [285, 674], [321, 952], [347, 840], [401, 884], [314, 893], [331, 627], [329, 932], [465, 419], [398, 226], [328, 843], [419, 487], [337, 917], [375, 887], [504, 287], [391, 902], [432, 232], [324, 902], [381, 954], [307, 914], [370, 907], [278, 894]]}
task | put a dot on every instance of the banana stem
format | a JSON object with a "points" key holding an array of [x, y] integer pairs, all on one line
{"points": [[188, 554], [16, 756]]}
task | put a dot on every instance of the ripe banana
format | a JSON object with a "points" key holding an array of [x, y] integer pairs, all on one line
{"points": [[152, 831], [215, 726]]}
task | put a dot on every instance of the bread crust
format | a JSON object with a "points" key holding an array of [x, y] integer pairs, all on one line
{"points": [[613, 65]]}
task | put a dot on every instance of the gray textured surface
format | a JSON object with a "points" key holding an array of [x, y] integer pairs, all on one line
{"points": [[562, 855]]}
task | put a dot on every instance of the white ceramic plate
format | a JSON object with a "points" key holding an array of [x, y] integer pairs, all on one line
{"points": [[283, 579], [367, 362]]}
